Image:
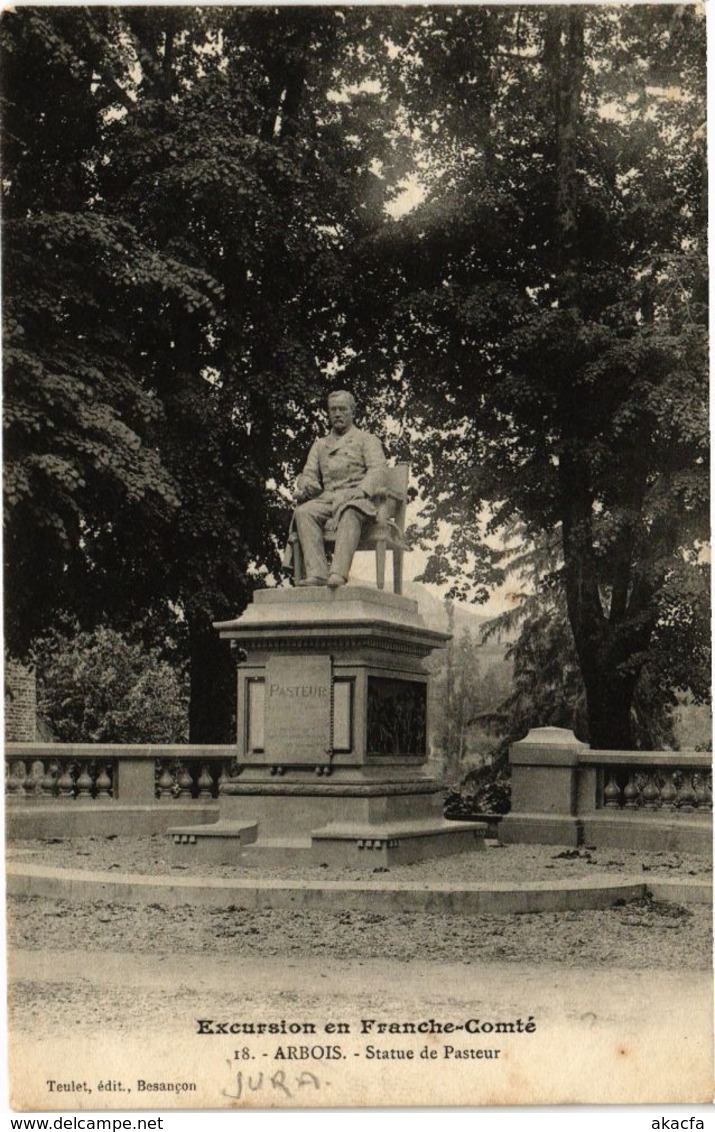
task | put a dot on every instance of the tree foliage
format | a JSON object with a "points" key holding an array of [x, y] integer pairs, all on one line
{"points": [[468, 695], [98, 687], [203, 233], [548, 683], [549, 314], [180, 193]]}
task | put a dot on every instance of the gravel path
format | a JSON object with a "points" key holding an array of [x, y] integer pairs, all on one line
{"points": [[641, 934], [513, 863]]}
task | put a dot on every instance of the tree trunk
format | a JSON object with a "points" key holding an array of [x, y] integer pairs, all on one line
{"points": [[611, 644], [605, 641], [212, 703], [610, 723]]}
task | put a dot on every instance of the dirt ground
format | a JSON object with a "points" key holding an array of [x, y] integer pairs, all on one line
{"points": [[121, 986], [631, 936], [499, 864]]}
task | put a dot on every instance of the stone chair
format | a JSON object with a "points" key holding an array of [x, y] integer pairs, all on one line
{"points": [[385, 532]]}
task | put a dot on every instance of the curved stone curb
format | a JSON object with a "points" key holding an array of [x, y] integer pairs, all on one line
{"points": [[684, 891], [82, 885]]}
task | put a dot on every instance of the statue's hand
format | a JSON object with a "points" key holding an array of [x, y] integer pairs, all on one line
{"points": [[306, 489]]}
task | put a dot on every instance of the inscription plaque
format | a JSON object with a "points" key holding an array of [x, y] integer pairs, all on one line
{"points": [[297, 709]]}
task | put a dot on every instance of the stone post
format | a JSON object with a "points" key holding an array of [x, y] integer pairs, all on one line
{"points": [[544, 788], [134, 784]]}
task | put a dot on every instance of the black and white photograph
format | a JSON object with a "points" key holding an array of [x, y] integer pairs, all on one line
{"points": [[357, 618]]}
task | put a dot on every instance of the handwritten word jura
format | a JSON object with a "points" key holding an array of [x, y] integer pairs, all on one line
{"points": [[284, 1084]]}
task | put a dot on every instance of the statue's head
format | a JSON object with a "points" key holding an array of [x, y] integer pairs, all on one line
{"points": [[341, 410]]}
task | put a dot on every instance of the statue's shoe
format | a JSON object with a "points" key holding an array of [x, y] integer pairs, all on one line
{"points": [[336, 580], [312, 582]]}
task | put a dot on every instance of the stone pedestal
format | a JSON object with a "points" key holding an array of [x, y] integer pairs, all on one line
{"points": [[332, 735], [544, 789]]}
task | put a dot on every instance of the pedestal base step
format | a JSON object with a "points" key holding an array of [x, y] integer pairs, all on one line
{"points": [[395, 843], [217, 844], [369, 846]]}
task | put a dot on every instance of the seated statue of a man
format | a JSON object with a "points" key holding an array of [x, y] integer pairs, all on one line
{"points": [[343, 472]]}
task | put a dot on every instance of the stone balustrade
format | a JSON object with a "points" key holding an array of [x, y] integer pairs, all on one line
{"points": [[123, 786], [565, 793], [43, 779], [672, 781], [105, 772]]}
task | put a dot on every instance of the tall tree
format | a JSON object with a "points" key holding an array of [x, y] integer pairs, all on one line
{"points": [[181, 187], [548, 318]]}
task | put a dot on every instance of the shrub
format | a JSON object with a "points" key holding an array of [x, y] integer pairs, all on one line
{"points": [[100, 687]]}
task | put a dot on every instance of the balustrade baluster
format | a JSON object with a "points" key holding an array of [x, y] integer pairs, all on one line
{"points": [[84, 783], [184, 781], [104, 782], [15, 781], [164, 783], [651, 793], [65, 783], [686, 794], [21, 777], [36, 778], [49, 782], [699, 791], [652, 788], [206, 782], [668, 791], [630, 793], [612, 792]]}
